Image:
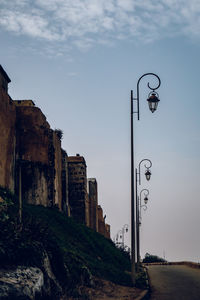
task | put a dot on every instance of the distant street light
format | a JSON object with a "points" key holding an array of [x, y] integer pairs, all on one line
{"points": [[124, 230], [139, 218], [138, 179], [153, 100], [120, 235]]}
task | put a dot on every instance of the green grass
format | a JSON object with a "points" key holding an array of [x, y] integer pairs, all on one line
{"points": [[72, 248]]}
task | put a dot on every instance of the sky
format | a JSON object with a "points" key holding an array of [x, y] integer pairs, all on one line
{"points": [[78, 60]]}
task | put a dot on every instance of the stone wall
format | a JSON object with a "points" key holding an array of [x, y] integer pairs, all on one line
{"points": [[33, 165], [7, 140], [107, 231], [58, 171], [35, 155], [103, 228], [93, 203], [101, 223], [78, 198], [65, 184]]}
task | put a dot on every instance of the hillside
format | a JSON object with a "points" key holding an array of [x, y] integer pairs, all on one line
{"points": [[77, 254]]}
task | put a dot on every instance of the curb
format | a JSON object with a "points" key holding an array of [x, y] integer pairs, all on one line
{"points": [[145, 293]]}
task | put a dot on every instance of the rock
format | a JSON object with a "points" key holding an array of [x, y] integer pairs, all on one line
{"points": [[52, 286], [21, 283]]}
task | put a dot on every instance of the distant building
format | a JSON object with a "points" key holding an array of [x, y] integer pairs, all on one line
{"points": [[107, 231], [7, 135], [103, 228], [35, 167], [4, 80], [65, 184], [78, 197], [24, 103], [93, 203]]}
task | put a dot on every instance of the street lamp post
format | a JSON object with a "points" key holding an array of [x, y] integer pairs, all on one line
{"points": [[138, 220], [153, 100], [138, 179], [120, 234], [124, 229]]}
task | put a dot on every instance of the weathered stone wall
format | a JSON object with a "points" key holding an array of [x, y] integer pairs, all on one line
{"points": [[78, 199], [35, 185], [33, 135], [7, 141], [31, 157], [58, 171], [65, 184], [101, 222], [107, 231], [102, 227], [38, 153], [93, 203]]}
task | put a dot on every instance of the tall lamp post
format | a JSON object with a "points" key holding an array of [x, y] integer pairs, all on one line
{"points": [[138, 179], [120, 234], [124, 229], [138, 219], [153, 100]]}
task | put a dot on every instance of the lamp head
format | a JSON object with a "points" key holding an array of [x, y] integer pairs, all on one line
{"points": [[145, 200], [153, 99], [148, 174]]}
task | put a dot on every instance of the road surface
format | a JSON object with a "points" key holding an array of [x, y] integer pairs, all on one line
{"points": [[174, 282]]}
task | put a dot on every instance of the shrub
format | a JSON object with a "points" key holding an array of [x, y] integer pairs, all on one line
{"points": [[149, 258]]}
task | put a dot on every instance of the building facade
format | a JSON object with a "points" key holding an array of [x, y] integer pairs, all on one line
{"points": [[35, 167], [93, 203], [78, 197]]}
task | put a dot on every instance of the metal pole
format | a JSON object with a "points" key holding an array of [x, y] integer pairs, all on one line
{"points": [[138, 233], [20, 194], [137, 221], [132, 199], [123, 237]]}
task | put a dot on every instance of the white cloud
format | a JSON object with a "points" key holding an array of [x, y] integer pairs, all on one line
{"points": [[86, 22]]}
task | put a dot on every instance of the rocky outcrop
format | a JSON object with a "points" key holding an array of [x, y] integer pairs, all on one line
{"points": [[31, 283], [21, 283]]}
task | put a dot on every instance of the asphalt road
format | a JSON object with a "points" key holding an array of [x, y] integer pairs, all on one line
{"points": [[175, 282]]}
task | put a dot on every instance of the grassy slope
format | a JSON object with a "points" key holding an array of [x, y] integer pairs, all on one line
{"points": [[71, 247]]}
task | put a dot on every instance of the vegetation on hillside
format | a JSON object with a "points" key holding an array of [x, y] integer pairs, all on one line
{"points": [[149, 258], [73, 249]]}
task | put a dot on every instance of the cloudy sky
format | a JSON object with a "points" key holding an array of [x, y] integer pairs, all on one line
{"points": [[78, 60]]}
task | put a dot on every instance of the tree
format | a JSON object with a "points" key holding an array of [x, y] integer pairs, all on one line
{"points": [[149, 258]]}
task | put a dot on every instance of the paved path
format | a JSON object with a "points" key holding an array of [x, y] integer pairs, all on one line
{"points": [[175, 282]]}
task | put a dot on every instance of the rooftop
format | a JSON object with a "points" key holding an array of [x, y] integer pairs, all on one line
{"points": [[24, 102], [3, 72], [76, 159]]}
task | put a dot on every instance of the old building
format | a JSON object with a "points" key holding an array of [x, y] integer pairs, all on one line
{"points": [[65, 184], [38, 156], [93, 203], [4, 80], [107, 231], [103, 228], [78, 197], [7, 135], [35, 167], [24, 103]]}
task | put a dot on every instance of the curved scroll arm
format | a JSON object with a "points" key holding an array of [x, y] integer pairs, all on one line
{"points": [[150, 165], [144, 207], [151, 88], [145, 191]]}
